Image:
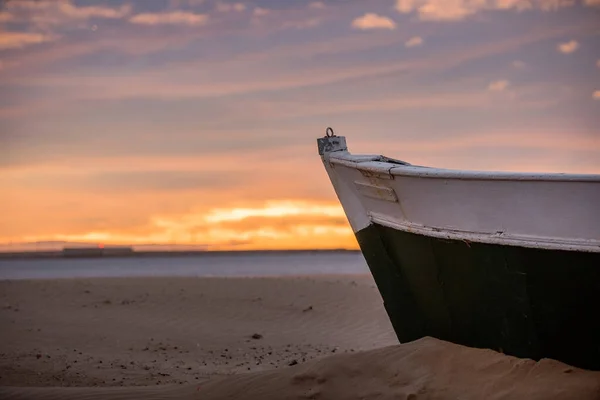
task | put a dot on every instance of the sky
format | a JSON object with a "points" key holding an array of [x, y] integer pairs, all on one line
{"points": [[194, 122]]}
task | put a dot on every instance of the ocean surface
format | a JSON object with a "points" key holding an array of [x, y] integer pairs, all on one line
{"points": [[203, 265]]}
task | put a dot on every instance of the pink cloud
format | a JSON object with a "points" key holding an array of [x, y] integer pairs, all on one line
{"points": [[455, 10], [169, 18], [230, 7], [414, 41], [498, 86], [17, 40], [373, 21], [568, 47], [43, 14]]}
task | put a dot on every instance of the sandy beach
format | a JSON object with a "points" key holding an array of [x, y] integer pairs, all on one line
{"points": [[324, 337]]}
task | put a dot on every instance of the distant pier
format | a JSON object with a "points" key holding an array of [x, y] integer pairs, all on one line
{"points": [[99, 251]]}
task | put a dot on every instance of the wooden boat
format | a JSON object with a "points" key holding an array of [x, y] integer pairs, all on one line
{"points": [[499, 260]]}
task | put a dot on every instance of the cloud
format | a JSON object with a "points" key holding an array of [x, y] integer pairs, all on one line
{"points": [[293, 223], [17, 40], [260, 12], [47, 13], [273, 224], [518, 64], [598, 63], [455, 10], [373, 21], [274, 209], [568, 47], [439, 10], [405, 6], [215, 83], [229, 7], [592, 3], [317, 5], [169, 18], [5, 16], [414, 41], [596, 95], [498, 86], [295, 17], [443, 10]]}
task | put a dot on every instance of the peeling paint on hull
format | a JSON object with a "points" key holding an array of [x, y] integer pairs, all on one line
{"points": [[526, 302]]}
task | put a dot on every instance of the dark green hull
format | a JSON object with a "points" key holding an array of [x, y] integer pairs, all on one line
{"points": [[524, 302]]}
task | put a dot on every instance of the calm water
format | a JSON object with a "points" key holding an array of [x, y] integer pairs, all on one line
{"points": [[198, 265]]}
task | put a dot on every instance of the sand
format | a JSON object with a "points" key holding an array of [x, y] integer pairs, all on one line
{"points": [[243, 338]]}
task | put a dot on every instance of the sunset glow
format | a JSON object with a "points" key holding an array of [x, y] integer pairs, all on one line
{"points": [[179, 122]]}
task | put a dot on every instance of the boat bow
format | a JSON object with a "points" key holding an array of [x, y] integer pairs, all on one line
{"points": [[500, 260]]}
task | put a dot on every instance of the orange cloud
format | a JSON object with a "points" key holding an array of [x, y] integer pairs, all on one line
{"points": [[169, 18], [283, 224], [455, 10], [273, 209], [250, 215], [373, 21], [498, 86], [568, 47], [17, 40], [414, 41]]}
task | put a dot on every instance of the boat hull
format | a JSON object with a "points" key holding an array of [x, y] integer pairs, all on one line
{"points": [[526, 302], [507, 261]]}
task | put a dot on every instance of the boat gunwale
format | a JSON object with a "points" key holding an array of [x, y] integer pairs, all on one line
{"points": [[379, 164], [497, 238]]}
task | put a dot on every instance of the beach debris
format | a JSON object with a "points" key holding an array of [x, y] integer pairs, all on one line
{"points": [[293, 362], [256, 336], [309, 308]]}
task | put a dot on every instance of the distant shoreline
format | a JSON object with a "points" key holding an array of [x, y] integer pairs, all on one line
{"points": [[161, 253]]}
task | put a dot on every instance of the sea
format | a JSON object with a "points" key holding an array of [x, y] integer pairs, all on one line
{"points": [[231, 264]]}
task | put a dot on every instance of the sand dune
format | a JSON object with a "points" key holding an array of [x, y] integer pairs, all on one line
{"points": [[424, 369], [251, 338]]}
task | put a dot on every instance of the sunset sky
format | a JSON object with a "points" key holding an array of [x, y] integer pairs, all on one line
{"points": [[195, 121]]}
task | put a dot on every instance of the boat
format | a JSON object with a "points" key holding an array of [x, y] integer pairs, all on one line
{"points": [[499, 260]]}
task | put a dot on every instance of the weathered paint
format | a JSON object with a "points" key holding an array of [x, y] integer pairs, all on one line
{"points": [[524, 302], [549, 211], [354, 210], [376, 192]]}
